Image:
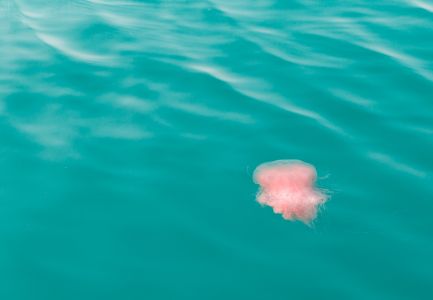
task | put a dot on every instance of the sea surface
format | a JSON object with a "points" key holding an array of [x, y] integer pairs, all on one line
{"points": [[130, 130]]}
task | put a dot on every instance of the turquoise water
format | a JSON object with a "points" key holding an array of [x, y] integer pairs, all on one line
{"points": [[129, 132]]}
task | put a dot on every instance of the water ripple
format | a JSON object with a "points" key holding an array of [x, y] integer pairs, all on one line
{"points": [[128, 129]]}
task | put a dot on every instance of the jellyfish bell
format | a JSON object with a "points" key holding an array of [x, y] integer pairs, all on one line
{"points": [[284, 171]]}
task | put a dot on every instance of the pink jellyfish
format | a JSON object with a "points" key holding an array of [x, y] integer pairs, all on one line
{"points": [[288, 187]]}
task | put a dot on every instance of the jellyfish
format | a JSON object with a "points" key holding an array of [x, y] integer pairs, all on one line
{"points": [[288, 187]]}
